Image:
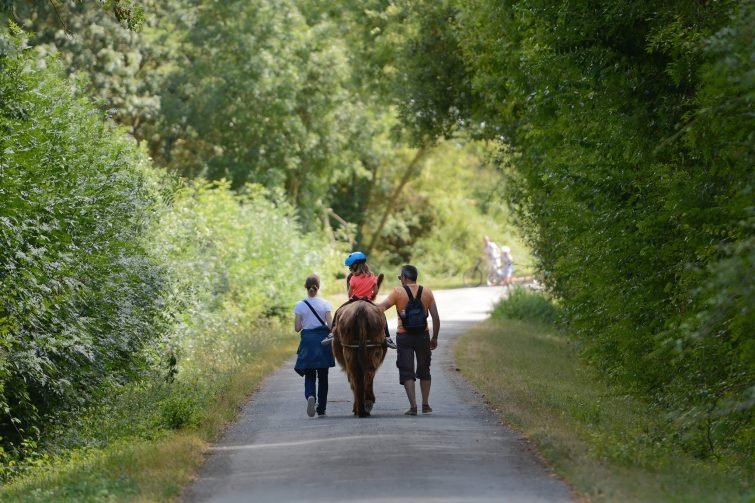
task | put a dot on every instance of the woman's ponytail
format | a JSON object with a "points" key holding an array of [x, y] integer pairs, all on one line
{"points": [[312, 284]]}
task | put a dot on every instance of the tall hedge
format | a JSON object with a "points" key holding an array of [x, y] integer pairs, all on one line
{"points": [[80, 295], [627, 134]]}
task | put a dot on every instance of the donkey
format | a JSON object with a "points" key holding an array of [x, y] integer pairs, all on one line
{"points": [[360, 349]]}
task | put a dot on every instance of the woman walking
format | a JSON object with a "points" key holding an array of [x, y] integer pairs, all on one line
{"points": [[313, 320]]}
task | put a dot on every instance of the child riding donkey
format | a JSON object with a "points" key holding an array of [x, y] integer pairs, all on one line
{"points": [[362, 285]]}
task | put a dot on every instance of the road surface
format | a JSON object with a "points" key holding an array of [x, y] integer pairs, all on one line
{"points": [[460, 452]]}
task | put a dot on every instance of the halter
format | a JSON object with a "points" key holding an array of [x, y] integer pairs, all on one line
{"points": [[370, 345]]}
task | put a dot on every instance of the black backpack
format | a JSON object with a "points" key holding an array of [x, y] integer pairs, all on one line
{"points": [[414, 317]]}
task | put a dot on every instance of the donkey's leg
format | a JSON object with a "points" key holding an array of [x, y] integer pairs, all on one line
{"points": [[350, 367], [369, 393], [359, 392]]}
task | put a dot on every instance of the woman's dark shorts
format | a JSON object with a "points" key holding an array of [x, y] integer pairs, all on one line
{"points": [[411, 346]]}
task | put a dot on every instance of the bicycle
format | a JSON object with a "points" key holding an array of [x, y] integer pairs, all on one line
{"points": [[481, 270]]}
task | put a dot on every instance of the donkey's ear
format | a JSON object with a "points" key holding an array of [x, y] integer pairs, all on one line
{"points": [[381, 277]]}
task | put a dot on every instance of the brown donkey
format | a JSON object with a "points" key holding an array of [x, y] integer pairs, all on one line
{"points": [[360, 349]]}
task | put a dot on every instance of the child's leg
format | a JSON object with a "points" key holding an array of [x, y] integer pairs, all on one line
{"points": [[329, 339], [388, 341]]}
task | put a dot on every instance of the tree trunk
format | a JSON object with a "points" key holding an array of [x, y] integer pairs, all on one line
{"points": [[410, 169]]}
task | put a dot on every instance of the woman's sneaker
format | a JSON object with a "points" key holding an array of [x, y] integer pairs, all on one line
{"points": [[327, 341], [389, 342], [311, 404]]}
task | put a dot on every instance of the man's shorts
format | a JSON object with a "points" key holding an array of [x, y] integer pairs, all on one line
{"points": [[410, 346]]}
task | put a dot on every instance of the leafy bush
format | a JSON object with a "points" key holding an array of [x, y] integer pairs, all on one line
{"points": [[235, 259], [180, 410], [235, 264], [102, 283], [626, 138], [522, 304], [80, 294]]}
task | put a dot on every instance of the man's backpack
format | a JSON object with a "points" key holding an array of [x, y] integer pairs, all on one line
{"points": [[414, 317]]}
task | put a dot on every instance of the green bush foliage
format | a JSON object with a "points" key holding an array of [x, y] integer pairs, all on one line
{"points": [[81, 296], [626, 134], [118, 285], [235, 259], [526, 305], [236, 264]]}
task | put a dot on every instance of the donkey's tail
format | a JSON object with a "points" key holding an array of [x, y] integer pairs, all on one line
{"points": [[363, 327]]}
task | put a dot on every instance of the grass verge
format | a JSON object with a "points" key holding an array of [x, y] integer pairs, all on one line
{"points": [[155, 468], [606, 444]]}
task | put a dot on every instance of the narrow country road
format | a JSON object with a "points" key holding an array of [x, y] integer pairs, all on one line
{"points": [[460, 452]]}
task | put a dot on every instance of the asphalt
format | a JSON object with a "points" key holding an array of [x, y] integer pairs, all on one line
{"points": [[459, 453]]}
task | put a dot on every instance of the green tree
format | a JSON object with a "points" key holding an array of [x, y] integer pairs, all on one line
{"points": [[81, 296], [627, 129], [124, 70], [264, 99], [128, 13]]}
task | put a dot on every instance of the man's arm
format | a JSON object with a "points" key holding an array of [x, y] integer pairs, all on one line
{"points": [[388, 302], [436, 325]]}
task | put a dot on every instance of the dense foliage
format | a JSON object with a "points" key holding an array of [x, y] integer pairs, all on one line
{"points": [[235, 259], [81, 295], [626, 133], [296, 96], [231, 285], [268, 101], [114, 277]]}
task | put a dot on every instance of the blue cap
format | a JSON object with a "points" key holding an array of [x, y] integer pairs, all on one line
{"points": [[354, 258]]}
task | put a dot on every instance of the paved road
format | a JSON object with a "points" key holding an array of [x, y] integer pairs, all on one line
{"points": [[460, 452]]}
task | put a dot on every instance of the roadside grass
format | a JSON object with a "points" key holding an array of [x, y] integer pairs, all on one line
{"points": [[154, 464], [607, 445]]}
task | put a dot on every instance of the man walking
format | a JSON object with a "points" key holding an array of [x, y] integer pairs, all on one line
{"points": [[413, 302], [493, 253]]}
